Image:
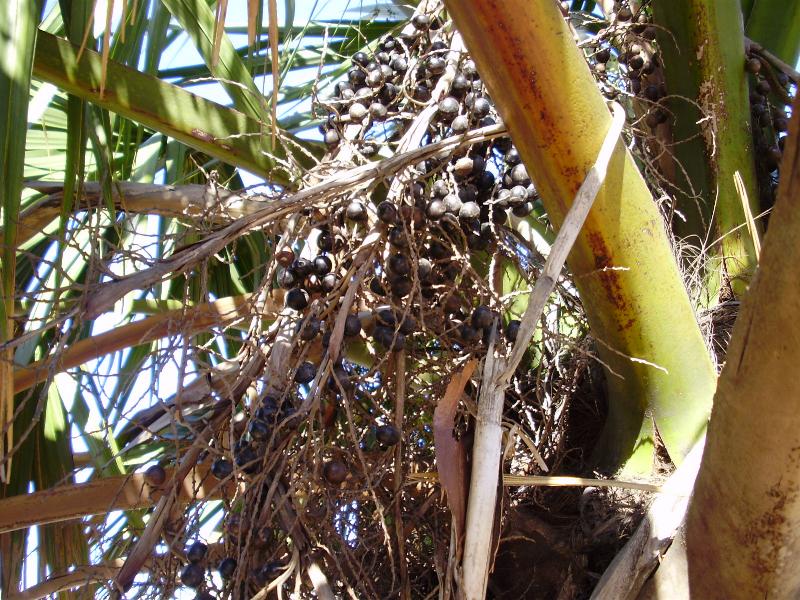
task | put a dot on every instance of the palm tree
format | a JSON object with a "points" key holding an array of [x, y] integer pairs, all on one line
{"points": [[292, 374]]}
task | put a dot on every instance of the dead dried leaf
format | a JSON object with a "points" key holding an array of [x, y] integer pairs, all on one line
{"points": [[219, 29], [252, 19], [451, 455]]}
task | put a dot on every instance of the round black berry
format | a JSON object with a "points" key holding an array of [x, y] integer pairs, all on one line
{"points": [[356, 211], [512, 330], [155, 475], [258, 430], [196, 552], [322, 265], [192, 575], [482, 317], [335, 472], [296, 299], [447, 109], [352, 326], [305, 372], [388, 435], [221, 468], [227, 567]]}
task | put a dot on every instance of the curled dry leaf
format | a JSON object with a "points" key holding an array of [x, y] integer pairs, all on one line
{"points": [[451, 456]]}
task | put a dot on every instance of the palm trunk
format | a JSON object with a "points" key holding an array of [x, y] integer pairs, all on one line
{"points": [[742, 536]]}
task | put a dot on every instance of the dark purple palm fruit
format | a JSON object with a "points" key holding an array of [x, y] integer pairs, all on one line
{"points": [[518, 196], [247, 459], [469, 70], [460, 85], [329, 283], [296, 299], [439, 188], [408, 325], [268, 409], [378, 111], [341, 87], [193, 575], [519, 175], [502, 199], [399, 64], [302, 267], [468, 193], [422, 93], [322, 265], [357, 111], [467, 333], [357, 77], [480, 107], [386, 317], [512, 330], [356, 211], [387, 435], [335, 472], [463, 166], [401, 285], [384, 336], [388, 93], [424, 269], [227, 567], [398, 342], [523, 210], [513, 157], [387, 212], [452, 204], [221, 468], [399, 264], [309, 329], [469, 211], [485, 181], [447, 109], [398, 238], [287, 279], [435, 210], [360, 58], [352, 326], [482, 317], [155, 475], [435, 65], [196, 552], [421, 22], [376, 286], [258, 430], [305, 372]]}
